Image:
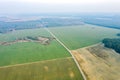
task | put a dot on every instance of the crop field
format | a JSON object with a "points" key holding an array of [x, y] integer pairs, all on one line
{"points": [[60, 69], [30, 52], [98, 61], [75, 37]]}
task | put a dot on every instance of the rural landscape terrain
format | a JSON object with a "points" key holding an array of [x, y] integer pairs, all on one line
{"points": [[58, 48]]}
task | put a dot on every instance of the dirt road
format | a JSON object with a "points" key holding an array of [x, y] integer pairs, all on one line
{"points": [[84, 77]]}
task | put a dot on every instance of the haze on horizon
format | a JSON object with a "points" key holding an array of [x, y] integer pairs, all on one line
{"points": [[58, 6]]}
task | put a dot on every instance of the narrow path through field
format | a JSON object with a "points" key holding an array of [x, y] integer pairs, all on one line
{"points": [[34, 62], [84, 77]]}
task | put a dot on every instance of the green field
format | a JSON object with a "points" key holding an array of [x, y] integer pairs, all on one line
{"points": [[60, 69], [75, 37], [30, 52], [25, 52]]}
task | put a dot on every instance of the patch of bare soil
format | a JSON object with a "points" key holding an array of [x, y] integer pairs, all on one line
{"points": [[98, 62], [41, 40], [13, 42], [45, 40], [46, 68], [71, 74]]}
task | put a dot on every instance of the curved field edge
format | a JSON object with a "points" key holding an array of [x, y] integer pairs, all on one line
{"points": [[46, 70], [75, 37]]}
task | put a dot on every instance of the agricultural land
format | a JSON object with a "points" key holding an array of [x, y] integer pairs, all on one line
{"points": [[24, 55], [36, 54]]}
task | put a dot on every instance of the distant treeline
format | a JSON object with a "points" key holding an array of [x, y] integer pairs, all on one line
{"points": [[106, 21], [10, 26], [44, 22], [112, 43]]}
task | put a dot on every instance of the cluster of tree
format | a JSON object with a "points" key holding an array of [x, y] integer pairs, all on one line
{"points": [[118, 34], [112, 43], [32, 38]]}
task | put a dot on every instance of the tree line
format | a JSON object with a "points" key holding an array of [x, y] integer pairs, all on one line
{"points": [[112, 43]]}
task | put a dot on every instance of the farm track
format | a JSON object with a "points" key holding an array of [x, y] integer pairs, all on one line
{"points": [[34, 62], [84, 77]]}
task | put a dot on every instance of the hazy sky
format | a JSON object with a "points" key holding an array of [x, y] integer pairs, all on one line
{"points": [[58, 6]]}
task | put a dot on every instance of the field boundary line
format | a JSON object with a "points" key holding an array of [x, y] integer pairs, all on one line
{"points": [[84, 77], [90, 45], [34, 62]]}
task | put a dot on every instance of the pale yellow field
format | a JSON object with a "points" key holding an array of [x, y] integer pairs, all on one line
{"points": [[98, 62], [56, 69]]}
